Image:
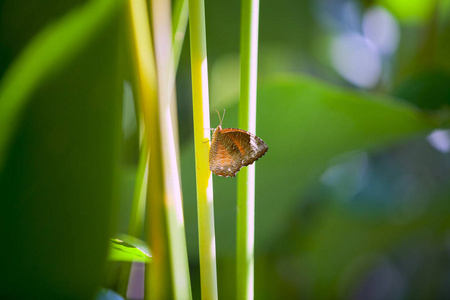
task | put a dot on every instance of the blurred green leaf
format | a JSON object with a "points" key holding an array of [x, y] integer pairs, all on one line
{"points": [[428, 90], [413, 12], [305, 123], [132, 251], [60, 122], [341, 239], [47, 54]]}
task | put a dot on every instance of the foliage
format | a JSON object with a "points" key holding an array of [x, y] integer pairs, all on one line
{"points": [[352, 191]]}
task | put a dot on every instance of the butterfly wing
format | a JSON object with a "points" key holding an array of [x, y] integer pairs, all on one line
{"points": [[232, 149], [250, 146], [224, 156]]}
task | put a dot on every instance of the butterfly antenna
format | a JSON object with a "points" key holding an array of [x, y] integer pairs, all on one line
{"points": [[223, 117], [220, 120]]}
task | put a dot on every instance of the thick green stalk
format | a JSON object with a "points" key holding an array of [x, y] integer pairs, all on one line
{"points": [[173, 206], [157, 281], [180, 18], [200, 98], [246, 177]]}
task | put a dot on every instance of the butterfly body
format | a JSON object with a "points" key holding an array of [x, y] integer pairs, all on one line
{"points": [[232, 149]]}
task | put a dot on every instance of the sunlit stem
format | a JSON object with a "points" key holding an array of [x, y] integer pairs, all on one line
{"points": [[246, 177], [199, 67], [173, 206], [145, 71]]}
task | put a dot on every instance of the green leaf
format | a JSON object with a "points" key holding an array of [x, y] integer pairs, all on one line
{"points": [[46, 55], [133, 251], [305, 123], [60, 122], [342, 242], [427, 90], [414, 12]]}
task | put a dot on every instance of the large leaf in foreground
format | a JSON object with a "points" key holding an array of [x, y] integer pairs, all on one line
{"points": [[60, 107]]}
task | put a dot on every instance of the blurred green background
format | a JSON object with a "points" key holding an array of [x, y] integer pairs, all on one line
{"points": [[352, 198]]}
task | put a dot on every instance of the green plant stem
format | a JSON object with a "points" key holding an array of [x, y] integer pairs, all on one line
{"points": [[157, 277], [179, 25], [140, 192], [137, 215], [200, 98], [246, 177], [173, 206]]}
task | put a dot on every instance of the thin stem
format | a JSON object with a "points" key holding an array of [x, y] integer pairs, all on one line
{"points": [[137, 215], [180, 20], [246, 177], [140, 193], [200, 100]]}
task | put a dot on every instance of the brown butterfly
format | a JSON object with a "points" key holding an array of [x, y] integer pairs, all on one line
{"points": [[232, 149]]}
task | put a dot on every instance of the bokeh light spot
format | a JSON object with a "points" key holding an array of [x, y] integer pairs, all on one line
{"points": [[356, 59], [382, 29]]}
